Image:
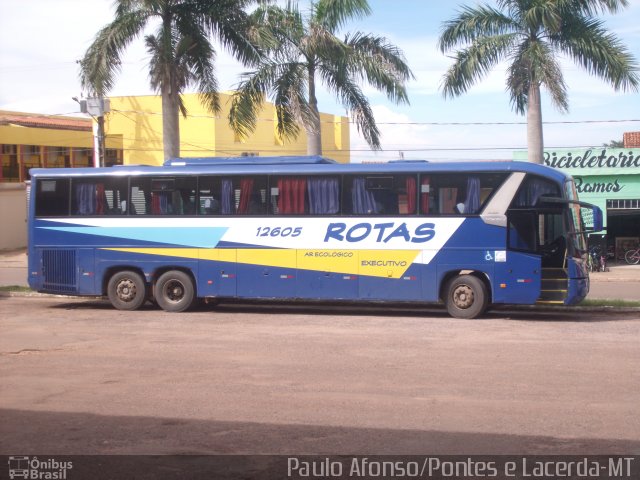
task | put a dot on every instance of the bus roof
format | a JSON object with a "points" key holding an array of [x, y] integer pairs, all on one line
{"points": [[247, 160], [298, 165]]}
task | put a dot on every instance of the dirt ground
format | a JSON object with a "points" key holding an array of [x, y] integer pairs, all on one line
{"points": [[79, 377]]}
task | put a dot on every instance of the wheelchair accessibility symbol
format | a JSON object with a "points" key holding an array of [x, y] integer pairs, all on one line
{"points": [[488, 256]]}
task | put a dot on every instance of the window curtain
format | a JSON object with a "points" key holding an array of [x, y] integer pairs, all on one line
{"points": [[160, 204], [177, 204], [227, 196], [424, 195], [86, 198], [472, 201], [324, 196], [101, 199], [534, 189], [411, 195], [362, 200], [246, 187], [291, 193]]}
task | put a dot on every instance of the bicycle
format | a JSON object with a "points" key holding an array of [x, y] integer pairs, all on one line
{"points": [[632, 257], [596, 260]]}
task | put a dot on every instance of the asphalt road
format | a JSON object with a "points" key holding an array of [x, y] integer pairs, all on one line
{"points": [[81, 378]]}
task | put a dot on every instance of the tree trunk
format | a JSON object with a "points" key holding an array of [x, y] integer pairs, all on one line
{"points": [[313, 127], [535, 142], [170, 122]]}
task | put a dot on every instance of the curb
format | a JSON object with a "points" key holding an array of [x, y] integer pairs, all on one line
{"points": [[44, 295], [500, 307]]}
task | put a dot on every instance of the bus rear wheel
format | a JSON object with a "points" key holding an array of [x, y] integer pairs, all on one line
{"points": [[466, 297], [174, 291], [126, 290]]}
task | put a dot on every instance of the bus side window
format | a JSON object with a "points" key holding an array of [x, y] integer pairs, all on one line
{"points": [[244, 196], [459, 194], [389, 194], [52, 197], [163, 196], [522, 231], [288, 195], [116, 196], [98, 196], [531, 191], [323, 195], [209, 196], [183, 197]]}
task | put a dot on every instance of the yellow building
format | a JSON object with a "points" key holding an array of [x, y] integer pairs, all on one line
{"points": [[137, 123], [30, 140], [133, 130]]}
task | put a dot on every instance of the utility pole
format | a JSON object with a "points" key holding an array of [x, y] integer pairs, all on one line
{"points": [[97, 107]]}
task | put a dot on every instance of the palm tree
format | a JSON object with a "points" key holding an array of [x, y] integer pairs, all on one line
{"points": [[182, 54], [303, 51], [531, 35]]}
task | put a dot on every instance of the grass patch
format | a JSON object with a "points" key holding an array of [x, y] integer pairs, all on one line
{"points": [[14, 288], [584, 303], [608, 303]]}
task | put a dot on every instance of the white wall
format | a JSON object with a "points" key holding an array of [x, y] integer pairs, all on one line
{"points": [[13, 216]]}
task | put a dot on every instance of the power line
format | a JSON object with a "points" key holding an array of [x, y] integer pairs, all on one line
{"points": [[231, 150], [352, 122]]}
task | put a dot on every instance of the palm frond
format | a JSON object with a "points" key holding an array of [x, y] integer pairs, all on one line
{"points": [[592, 7], [200, 56], [306, 44], [375, 60], [534, 62], [356, 103], [334, 14], [227, 21], [474, 23], [289, 98], [283, 84], [537, 18], [101, 62], [247, 100], [473, 63], [598, 51], [278, 28]]}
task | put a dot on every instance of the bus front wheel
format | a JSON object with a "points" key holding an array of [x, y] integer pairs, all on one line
{"points": [[466, 297], [174, 291], [126, 290]]}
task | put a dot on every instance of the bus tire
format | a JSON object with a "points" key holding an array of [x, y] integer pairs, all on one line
{"points": [[174, 291], [126, 290], [466, 297]]}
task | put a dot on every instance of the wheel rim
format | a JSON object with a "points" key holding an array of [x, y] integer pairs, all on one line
{"points": [[463, 296], [174, 291], [126, 290]]}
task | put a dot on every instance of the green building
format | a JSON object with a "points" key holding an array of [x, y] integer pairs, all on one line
{"points": [[609, 178]]}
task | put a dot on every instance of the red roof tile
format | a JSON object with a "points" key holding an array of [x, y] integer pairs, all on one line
{"points": [[45, 121], [631, 140]]}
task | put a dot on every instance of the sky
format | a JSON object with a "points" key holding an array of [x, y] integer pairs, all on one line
{"points": [[41, 41]]}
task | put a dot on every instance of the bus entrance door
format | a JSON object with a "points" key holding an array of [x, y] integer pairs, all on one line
{"points": [[518, 278]]}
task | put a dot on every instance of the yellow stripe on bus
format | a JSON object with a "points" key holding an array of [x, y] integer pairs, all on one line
{"points": [[375, 263]]}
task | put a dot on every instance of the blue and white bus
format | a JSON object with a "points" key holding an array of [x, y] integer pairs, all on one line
{"points": [[466, 234]]}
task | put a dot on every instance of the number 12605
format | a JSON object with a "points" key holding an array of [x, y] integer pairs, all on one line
{"points": [[278, 231]]}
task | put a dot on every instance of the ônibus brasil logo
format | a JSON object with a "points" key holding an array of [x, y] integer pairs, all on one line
{"points": [[36, 469]]}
